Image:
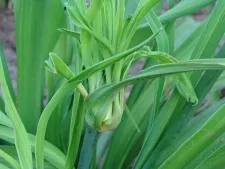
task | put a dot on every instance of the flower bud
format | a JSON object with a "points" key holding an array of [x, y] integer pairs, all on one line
{"points": [[104, 110]]}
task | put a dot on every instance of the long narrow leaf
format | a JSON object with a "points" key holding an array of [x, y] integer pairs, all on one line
{"points": [[36, 36], [7, 75], [51, 153], [77, 123], [42, 125], [22, 142], [211, 129], [184, 8], [10, 160], [111, 60], [103, 97]]}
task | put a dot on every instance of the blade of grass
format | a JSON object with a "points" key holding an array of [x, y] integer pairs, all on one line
{"points": [[103, 97], [83, 21], [182, 34], [142, 10], [187, 151], [22, 141], [193, 126], [2, 105], [3, 166], [82, 6], [42, 125], [216, 161], [76, 128], [163, 45], [63, 48], [88, 149], [184, 50], [36, 35], [179, 10], [9, 159], [205, 48], [4, 120], [179, 120], [51, 153], [120, 19], [120, 149], [182, 81], [7, 75], [94, 8], [103, 64], [212, 33], [184, 8], [156, 129], [74, 34]]}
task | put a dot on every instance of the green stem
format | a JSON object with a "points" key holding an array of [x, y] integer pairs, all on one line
{"points": [[88, 148]]}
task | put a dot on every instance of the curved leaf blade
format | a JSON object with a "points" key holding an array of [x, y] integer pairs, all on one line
{"points": [[22, 141], [197, 142]]}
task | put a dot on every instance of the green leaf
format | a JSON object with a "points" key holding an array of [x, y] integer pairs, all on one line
{"points": [[103, 64], [182, 34], [132, 120], [60, 94], [94, 8], [212, 33], [76, 128], [105, 42], [120, 19], [2, 105], [22, 141], [122, 151], [184, 8], [11, 150], [196, 124], [162, 38], [214, 161], [76, 16], [220, 84], [82, 21], [201, 138], [9, 159], [142, 9], [7, 75], [182, 82], [51, 153], [60, 67], [184, 48], [99, 100], [64, 49], [4, 120], [42, 125], [74, 34], [205, 48], [36, 36], [182, 116], [156, 130], [89, 145], [3, 166]]}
